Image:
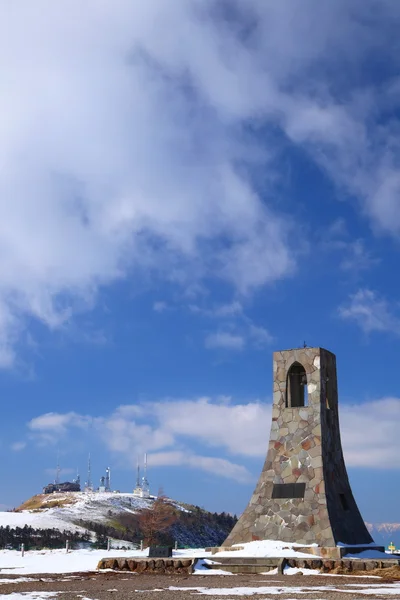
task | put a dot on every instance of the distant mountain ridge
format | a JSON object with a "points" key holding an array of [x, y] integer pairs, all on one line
{"points": [[385, 533]]}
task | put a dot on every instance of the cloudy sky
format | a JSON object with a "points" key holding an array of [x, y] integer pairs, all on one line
{"points": [[186, 187]]}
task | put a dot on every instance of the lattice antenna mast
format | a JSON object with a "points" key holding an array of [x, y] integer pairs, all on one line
{"points": [[58, 470], [89, 475], [108, 479], [138, 474], [145, 483]]}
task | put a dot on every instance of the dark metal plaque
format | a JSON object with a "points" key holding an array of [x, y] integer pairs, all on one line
{"points": [[288, 490], [160, 551]]}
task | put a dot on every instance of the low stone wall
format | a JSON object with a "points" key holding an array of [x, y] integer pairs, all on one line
{"points": [[157, 566], [178, 566], [346, 564]]}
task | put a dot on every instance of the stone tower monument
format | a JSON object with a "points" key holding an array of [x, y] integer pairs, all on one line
{"points": [[303, 494]]}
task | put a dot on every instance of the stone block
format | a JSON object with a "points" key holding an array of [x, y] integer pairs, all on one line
{"points": [[131, 563], [141, 566], [358, 565]]}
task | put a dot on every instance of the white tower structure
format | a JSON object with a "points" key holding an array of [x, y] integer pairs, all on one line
{"points": [[108, 480]]}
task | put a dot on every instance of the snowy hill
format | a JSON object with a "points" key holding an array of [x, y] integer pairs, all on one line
{"points": [[117, 513], [62, 510]]}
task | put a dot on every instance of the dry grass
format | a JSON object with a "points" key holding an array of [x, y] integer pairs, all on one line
{"points": [[44, 501], [388, 574], [34, 503]]}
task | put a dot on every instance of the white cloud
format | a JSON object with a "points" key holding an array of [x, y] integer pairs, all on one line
{"points": [[167, 430], [371, 312], [109, 160], [237, 330], [226, 340], [18, 446], [210, 464], [370, 433], [357, 258], [160, 306], [51, 427], [238, 335], [126, 142]]}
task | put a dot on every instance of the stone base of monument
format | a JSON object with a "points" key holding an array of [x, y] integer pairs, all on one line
{"points": [[332, 552], [258, 565]]}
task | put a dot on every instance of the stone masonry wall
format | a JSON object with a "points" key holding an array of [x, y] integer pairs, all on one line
{"points": [[304, 447], [158, 566]]}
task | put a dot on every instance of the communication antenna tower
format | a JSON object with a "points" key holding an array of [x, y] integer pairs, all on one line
{"points": [[89, 475], [138, 474], [57, 479], [77, 478], [145, 483]]}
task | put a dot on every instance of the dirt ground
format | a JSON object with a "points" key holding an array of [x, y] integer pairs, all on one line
{"points": [[102, 586]]}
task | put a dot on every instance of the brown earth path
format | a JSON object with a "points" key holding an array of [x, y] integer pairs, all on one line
{"points": [[121, 586]]}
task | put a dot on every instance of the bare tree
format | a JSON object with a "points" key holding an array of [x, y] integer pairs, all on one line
{"points": [[156, 520]]}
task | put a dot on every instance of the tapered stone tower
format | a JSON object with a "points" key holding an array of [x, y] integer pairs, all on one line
{"points": [[303, 494]]}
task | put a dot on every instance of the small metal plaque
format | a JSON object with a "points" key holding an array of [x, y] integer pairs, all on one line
{"points": [[288, 490], [160, 551]]}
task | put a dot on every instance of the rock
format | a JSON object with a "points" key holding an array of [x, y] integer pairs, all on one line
{"points": [[141, 566], [358, 565], [186, 562], [132, 564]]}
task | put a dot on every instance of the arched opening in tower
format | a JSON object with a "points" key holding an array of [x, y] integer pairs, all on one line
{"points": [[296, 385]]}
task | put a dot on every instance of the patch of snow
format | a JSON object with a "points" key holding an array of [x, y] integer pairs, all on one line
{"points": [[297, 570], [383, 590], [202, 569], [30, 596], [268, 548], [16, 580]]}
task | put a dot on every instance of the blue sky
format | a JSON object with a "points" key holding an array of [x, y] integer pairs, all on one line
{"points": [[184, 188]]}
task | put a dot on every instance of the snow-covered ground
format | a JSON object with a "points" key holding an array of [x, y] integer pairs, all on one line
{"points": [[58, 561], [52, 561], [267, 548], [363, 589]]}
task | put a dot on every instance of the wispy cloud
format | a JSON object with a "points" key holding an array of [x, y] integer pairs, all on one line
{"points": [[225, 339], [371, 312], [136, 145], [18, 446], [354, 254], [223, 433], [160, 306], [236, 331]]}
